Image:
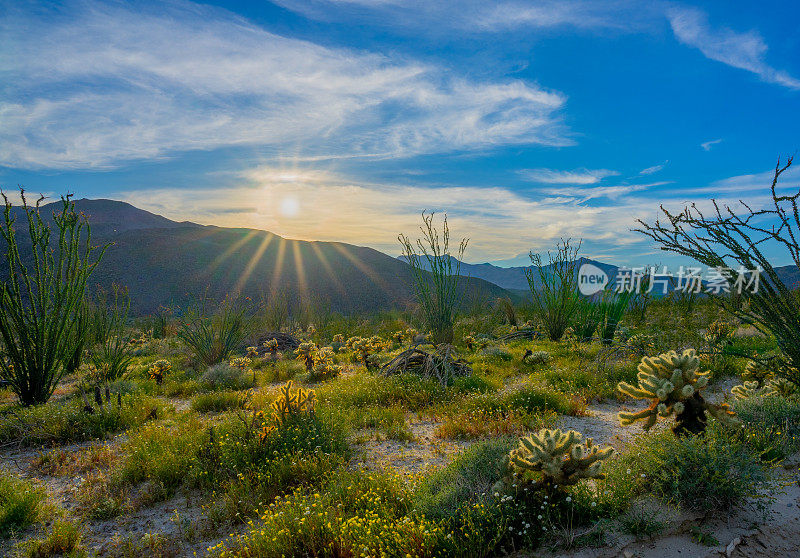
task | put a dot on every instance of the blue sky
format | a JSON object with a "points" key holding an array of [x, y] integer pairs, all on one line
{"points": [[343, 119]]}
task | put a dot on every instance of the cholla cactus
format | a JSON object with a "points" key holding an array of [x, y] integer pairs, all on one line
{"points": [[324, 366], [305, 353], [398, 337], [550, 458], [782, 387], [758, 372], [291, 405], [252, 352], [469, 341], [536, 357], [338, 338], [363, 348], [351, 342], [240, 362], [159, 369], [750, 389], [641, 343], [271, 345], [672, 382], [410, 335]]}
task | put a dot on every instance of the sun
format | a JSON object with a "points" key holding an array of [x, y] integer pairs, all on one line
{"points": [[290, 206]]}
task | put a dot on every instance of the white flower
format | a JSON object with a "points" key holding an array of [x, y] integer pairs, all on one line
{"points": [[594, 504], [538, 517], [569, 498], [629, 471]]}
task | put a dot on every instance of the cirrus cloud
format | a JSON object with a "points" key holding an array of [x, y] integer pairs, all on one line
{"points": [[102, 84]]}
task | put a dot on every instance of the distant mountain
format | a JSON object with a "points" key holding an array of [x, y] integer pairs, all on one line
{"points": [[513, 278], [165, 262]]}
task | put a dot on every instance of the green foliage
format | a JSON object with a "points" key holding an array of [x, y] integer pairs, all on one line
{"points": [[213, 336], [555, 294], [468, 479], [552, 458], [217, 401], [672, 383], [612, 307], [63, 539], [224, 376], [588, 316], [68, 421], [113, 353], [770, 426], [437, 279], [20, 504], [700, 472], [41, 300]]}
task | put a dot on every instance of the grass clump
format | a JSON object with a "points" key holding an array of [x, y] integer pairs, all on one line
{"points": [[68, 421], [20, 504], [700, 472], [217, 401]]}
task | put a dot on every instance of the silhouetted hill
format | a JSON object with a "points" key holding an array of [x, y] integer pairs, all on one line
{"points": [[164, 262]]}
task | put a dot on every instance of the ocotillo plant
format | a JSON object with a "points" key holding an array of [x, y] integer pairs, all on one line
{"points": [[42, 295], [555, 295], [672, 383], [436, 276]]}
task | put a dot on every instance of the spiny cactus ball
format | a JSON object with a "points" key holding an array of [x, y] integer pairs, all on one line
{"points": [[672, 382], [553, 457]]}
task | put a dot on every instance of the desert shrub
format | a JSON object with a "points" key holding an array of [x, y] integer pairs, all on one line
{"points": [[613, 306], [68, 421], [529, 399], [700, 472], [20, 504], [588, 317], [724, 239], [554, 288], [38, 337], [158, 370], [63, 539], [468, 479], [497, 354], [437, 279], [410, 390], [770, 425], [224, 376], [161, 453], [213, 334], [217, 401], [113, 352], [509, 311]]}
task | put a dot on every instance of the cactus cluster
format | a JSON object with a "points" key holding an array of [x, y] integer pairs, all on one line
{"points": [[719, 332], [551, 458], [251, 352], [240, 362], [365, 349], [672, 382], [774, 386], [159, 369], [536, 357], [324, 365], [271, 345], [290, 405], [305, 353]]}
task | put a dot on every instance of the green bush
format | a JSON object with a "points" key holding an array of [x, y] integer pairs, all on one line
{"points": [[217, 401], [700, 472], [464, 482], [770, 425], [213, 335], [20, 504], [67, 421]]}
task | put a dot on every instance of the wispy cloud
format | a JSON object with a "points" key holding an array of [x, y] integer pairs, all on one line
{"points": [[743, 50], [707, 145], [577, 176], [103, 84], [654, 169], [479, 16]]}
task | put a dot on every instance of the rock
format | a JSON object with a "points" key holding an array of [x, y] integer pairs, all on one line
{"points": [[732, 546]]}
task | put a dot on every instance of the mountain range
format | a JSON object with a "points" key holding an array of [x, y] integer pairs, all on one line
{"points": [[168, 263], [164, 262]]}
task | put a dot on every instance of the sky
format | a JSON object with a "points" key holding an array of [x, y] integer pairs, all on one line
{"points": [[524, 121]]}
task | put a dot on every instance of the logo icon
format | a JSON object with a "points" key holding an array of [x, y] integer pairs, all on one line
{"points": [[591, 279]]}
